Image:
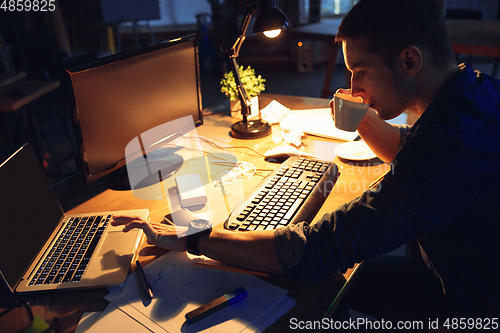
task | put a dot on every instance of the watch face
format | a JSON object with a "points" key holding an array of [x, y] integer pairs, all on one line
{"points": [[201, 224]]}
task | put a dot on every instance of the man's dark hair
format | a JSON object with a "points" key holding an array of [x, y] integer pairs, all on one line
{"points": [[392, 25]]}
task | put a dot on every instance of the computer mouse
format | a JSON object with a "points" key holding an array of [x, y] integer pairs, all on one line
{"points": [[281, 153]]}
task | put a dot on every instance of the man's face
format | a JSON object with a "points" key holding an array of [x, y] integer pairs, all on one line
{"points": [[385, 88]]}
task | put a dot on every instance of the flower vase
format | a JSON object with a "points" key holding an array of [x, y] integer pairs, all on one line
{"points": [[254, 109]]}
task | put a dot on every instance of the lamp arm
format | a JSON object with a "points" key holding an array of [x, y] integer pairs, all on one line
{"points": [[242, 92], [234, 53]]}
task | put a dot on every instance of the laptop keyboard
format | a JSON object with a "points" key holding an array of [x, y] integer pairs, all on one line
{"points": [[290, 194], [70, 255]]}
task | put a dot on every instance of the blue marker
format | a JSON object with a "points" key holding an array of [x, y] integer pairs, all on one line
{"points": [[228, 299]]}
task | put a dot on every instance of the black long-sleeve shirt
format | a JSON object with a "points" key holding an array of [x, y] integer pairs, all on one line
{"points": [[442, 190]]}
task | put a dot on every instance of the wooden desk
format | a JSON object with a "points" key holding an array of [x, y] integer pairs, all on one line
{"points": [[475, 37], [16, 97], [312, 299], [19, 94]]}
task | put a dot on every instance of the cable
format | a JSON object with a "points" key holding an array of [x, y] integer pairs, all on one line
{"points": [[213, 144]]}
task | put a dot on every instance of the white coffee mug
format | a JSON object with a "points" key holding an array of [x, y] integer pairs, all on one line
{"points": [[348, 111]]}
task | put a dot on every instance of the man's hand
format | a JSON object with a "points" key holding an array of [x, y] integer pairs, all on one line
{"points": [[250, 250], [340, 91], [165, 236], [369, 114]]}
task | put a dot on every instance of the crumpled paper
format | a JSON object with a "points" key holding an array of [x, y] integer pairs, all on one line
{"points": [[292, 130], [274, 112]]}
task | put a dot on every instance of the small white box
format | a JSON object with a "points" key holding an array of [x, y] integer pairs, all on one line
{"points": [[191, 191]]}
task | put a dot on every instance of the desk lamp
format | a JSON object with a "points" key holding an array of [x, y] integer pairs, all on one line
{"points": [[270, 21]]}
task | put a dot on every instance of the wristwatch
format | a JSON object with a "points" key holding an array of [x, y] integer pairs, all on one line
{"points": [[197, 229]]}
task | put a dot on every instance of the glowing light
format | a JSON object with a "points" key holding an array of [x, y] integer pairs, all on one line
{"points": [[272, 33]]}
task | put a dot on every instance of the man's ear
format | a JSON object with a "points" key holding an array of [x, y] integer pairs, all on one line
{"points": [[411, 60]]}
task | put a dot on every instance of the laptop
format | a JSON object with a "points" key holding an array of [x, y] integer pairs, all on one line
{"points": [[42, 248]]}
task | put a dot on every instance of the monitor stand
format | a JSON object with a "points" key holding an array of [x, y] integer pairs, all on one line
{"points": [[119, 179]]}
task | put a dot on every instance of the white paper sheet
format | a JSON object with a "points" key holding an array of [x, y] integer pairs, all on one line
{"points": [[86, 321], [179, 287], [271, 315], [320, 122], [113, 320]]}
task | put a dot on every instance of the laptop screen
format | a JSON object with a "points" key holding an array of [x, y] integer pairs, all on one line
{"points": [[29, 212]]}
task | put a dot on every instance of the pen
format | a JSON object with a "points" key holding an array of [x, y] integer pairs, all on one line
{"points": [[213, 306], [232, 269], [145, 283], [378, 180]]}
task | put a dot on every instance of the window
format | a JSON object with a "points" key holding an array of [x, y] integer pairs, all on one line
{"points": [[336, 7], [181, 12], [175, 13]]}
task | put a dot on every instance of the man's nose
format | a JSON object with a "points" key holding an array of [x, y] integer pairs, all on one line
{"points": [[356, 91]]}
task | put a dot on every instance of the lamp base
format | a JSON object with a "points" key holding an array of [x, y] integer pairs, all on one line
{"points": [[253, 129]]}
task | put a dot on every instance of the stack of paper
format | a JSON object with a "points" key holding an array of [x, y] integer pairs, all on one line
{"points": [[320, 122], [180, 286]]}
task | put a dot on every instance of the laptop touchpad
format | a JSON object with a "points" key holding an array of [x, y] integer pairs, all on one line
{"points": [[118, 243]]}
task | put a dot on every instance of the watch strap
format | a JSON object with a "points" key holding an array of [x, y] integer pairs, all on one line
{"points": [[194, 239]]}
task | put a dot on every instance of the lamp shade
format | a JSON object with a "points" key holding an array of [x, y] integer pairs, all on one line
{"points": [[270, 18]]}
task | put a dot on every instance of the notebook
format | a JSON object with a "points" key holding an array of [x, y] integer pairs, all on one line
{"points": [[34, 253]]}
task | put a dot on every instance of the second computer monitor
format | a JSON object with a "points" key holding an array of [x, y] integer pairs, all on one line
{"points": [[118, 98]]}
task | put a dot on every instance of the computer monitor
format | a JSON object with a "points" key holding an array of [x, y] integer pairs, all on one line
{"points": [[119, 97]]}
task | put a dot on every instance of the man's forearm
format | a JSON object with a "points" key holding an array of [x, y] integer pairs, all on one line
{"points": [[252, 250], [382, 137]]}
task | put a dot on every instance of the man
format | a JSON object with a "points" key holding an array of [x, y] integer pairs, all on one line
{"points": [[441, 193]]}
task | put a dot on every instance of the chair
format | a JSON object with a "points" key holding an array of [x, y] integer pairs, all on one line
{"points": [[120, 11], [464, 14], [472, 14]]}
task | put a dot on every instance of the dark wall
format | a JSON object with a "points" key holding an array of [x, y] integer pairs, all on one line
{"points": [[489, 8]]}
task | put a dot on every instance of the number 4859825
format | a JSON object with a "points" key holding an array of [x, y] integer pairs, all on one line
{"points": [[28, 5]]}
